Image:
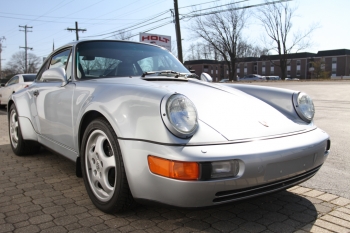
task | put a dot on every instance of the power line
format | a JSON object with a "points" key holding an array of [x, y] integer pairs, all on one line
{"points": [[136, 26], [236, 8], [60, 17], [210, 8], [144, 31], [197, 4]]}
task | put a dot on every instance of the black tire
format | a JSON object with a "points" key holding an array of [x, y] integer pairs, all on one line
{"points": [[103, 168], [18, 144]]}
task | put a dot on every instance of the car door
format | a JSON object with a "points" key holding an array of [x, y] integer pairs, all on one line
{"points": [[53, 104]]}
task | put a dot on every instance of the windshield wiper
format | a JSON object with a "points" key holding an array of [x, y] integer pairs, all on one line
{"points": [[147, 73], [161, 72]]}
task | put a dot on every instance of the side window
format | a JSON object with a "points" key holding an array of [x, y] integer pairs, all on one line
{"points": [[60, 59]]}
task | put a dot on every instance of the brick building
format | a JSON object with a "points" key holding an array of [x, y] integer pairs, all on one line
{"points": [[336, 62]]}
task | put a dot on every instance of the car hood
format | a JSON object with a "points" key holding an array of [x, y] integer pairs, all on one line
{"points": [[232, 113]]}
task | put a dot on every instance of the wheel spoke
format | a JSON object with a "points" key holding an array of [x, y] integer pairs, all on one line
{"points": [[105, 184], [99, 147], [108, 163]]}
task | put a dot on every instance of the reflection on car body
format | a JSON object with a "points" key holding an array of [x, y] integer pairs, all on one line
{"points": [[141, 128]]}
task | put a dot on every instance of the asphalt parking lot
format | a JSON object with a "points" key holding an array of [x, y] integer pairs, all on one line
{"points": [[40, 193]]}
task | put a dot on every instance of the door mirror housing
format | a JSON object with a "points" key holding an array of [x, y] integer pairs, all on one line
{"points": [[55, 75], [206, 77]]}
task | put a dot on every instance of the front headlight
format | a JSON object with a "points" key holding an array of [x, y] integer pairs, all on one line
{"points": [[179, 115], [304, 106]]}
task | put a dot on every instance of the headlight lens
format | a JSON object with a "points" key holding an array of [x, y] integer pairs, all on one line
{"points": [[180, 116], [305, 107]]}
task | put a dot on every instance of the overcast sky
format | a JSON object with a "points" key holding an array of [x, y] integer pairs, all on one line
{"points": [[49, 20]]}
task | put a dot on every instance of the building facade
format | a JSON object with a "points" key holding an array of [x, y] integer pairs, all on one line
{"points": [[299, 65]]}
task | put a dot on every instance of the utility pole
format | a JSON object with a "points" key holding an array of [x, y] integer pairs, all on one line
{"points": [[1, 39], [76, 29], [25, 46], [178, 32]]}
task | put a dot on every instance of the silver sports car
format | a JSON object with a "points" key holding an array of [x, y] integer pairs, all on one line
{"points": [[141, 128]]}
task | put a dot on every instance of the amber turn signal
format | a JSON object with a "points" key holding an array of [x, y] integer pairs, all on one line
{"points": [[173, 169]]}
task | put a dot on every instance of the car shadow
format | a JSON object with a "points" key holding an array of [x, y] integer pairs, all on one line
{"points": [[46, 183]]}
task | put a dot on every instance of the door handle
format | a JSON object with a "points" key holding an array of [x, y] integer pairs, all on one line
{"points": [[36, 93]]}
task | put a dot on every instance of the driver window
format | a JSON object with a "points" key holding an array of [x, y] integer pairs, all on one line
{"points": [[60, 59]]}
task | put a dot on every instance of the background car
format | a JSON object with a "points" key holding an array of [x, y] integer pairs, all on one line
{"points": [[253, 77], [140, 130], [15, 84], [272, 78], [225, 80]]}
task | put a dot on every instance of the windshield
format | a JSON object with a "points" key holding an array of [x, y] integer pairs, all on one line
{"points": [[100, 59]]}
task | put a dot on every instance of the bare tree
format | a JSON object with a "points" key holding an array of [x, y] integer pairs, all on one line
{"points": [[249, 50], [123, 35], [276, 18], [174, 48], [17, 63], [223, 31], [319, 69]]}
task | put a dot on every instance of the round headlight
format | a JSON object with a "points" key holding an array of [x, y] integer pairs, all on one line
{"points": [[304, 107], [179, 115]]}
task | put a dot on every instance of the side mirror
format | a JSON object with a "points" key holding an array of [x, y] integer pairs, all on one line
{"points": [[206, 77], [55, 75]]}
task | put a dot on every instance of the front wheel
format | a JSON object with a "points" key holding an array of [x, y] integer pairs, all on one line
{"points": [[103, 168], [18, 144]]}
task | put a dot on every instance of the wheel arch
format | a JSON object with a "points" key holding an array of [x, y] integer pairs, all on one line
{"points": [[9, 104], [85, 121]]}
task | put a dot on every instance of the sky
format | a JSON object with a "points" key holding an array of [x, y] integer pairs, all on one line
{"points": [[50, 19]]}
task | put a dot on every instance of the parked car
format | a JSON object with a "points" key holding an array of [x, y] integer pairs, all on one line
{"points": [[15, 84], [138, 133], [253, 77], [272, 77], [225, 80]]}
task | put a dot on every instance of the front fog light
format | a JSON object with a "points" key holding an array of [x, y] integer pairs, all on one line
{"points": [[224, 169]]}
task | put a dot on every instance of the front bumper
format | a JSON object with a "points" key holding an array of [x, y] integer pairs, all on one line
{"points": [[267, 166]]}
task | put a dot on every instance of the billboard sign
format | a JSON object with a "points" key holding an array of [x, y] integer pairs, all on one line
{"points": [[161, 40]]}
